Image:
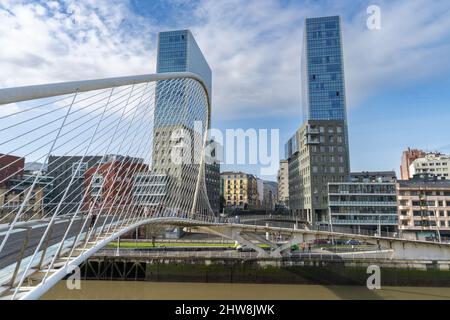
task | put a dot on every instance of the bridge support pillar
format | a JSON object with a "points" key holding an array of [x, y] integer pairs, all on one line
{"points": [[238, 237], [241, 240], [294, 241]]}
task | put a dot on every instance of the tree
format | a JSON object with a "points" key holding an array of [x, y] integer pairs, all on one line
{"points": [[153, 231]]}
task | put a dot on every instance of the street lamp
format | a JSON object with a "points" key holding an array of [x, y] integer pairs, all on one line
{"points": [[379, 225]]}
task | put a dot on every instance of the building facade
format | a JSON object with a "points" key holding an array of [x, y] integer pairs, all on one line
{"points": [[367, 203], [319, 152], [62, 169], [320, 156], [283, 183], [323, 81], [270, 195], [110, 186], [424, 207], [15, 184], [11, 166], [408, 158], [149, 191], [433, 164], [240, 190], [178, 52]]}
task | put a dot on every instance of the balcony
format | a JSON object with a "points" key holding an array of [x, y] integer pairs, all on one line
{"points": [[310, 140], [311, 130], [364, 222], [364, 203]]}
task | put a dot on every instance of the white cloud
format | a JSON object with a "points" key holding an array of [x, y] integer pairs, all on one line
{"points": [[253, 47], [412, 45], [49, 42]]}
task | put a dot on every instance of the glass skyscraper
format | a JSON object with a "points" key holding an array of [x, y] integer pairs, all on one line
{"points": [[319, 151], [178, 52], [323, 83]]}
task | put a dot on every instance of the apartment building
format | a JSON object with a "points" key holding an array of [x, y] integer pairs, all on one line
{"points": [[424, 207], [240, 190]]}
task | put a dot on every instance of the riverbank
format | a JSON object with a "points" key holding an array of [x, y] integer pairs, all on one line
{"points": [[266, 271]]}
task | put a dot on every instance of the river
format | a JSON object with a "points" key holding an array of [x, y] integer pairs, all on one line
{"points": [[135, 290]]}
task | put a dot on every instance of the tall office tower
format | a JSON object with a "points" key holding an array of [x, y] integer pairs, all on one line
{"points": [[318, 153], [179, 52]]}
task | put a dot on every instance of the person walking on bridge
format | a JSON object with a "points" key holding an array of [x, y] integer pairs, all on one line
{"points": [[93, 219]]}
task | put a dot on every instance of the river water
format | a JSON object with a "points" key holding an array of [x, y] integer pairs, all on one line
{"points": [[135, 290]]}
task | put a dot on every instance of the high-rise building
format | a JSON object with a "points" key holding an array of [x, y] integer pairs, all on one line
{"points": [[323, 82], [283, 183], [319, 152], [178, 52], [318, 155], [434, 164], [408, 158]]}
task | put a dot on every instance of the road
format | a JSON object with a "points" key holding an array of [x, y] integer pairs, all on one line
{"points": [[16, 240]]}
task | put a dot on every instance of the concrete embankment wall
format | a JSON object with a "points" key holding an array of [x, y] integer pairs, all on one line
{"points": [[400, 273]]}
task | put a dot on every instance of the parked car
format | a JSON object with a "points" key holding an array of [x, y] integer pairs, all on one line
{"points": [[353, 243], [244, 249]]}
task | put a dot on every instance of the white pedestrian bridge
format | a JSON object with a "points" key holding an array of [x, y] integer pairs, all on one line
{"points": [[105, 161]]}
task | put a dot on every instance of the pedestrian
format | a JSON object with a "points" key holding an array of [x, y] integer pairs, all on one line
{"points": [[309, 248], [93, 219]]}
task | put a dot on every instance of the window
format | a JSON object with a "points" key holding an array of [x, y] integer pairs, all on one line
{"points": [[81, 169], [417, 213]]}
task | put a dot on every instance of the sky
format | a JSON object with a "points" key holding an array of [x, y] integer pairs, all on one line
{"points": [[397, 77]]}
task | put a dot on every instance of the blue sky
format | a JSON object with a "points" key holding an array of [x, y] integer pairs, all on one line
{"points": [[397, 78]]}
